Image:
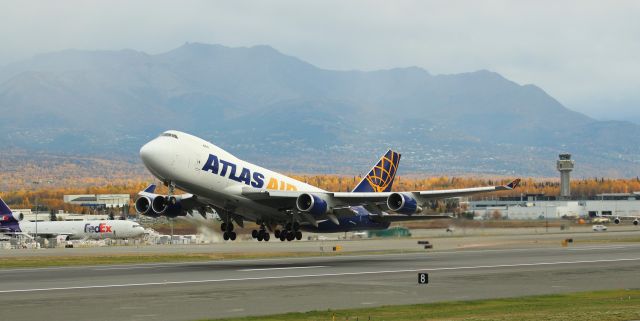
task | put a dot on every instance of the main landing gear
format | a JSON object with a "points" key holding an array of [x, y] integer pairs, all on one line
{"points": [[228, 234], [261, 234], [291, 231]]}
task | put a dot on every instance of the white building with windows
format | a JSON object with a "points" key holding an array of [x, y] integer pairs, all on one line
{"points": [[614, 205], [99, 200]]}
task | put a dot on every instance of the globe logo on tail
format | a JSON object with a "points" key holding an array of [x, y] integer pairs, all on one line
{"points": [[381, 176]]}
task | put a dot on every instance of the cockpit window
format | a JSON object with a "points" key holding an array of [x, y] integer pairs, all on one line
{"points": [[170, 135]]}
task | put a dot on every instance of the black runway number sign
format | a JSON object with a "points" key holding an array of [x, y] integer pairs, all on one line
{"points": [[423, 278]]}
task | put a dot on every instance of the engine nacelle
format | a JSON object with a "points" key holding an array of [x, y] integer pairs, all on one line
{"points": [[159, 204], [143, 205], [311, 204], [616, 220], [403, 203], [636, 222], [162, 205]]}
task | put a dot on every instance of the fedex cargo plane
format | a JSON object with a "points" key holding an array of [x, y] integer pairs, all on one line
{"points": [[11, 224], [240, 191]]}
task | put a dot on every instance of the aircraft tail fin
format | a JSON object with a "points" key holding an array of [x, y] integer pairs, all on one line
{"points": [[380, 177], [150, 189], [8, 222], [4, 208]]}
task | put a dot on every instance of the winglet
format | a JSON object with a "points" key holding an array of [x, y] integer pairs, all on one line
{"points": [[514, 184], [150, 189]]}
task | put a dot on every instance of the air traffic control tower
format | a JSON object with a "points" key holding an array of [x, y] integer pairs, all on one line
{"points": [[565, 166]]}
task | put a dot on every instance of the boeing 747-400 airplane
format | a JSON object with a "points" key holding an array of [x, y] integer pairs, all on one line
{"points": [[240, 191]]}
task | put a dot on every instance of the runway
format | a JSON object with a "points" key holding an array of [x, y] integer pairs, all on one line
{"points": [[190, 291]]}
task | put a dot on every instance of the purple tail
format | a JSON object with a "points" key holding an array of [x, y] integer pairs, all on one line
{"points": [[8, 222]]}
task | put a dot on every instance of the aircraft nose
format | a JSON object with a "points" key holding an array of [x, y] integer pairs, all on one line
{"points": [[148, 152], [155, 156]]}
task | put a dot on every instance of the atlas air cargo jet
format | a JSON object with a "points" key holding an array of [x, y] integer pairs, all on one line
{"points": [[240, 191], [12, 225]]}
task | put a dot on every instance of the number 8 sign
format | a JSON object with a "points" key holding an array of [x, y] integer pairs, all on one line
{"points": [[423, 278]]}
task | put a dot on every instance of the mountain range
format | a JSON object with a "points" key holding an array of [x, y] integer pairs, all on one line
{"points": [[284, 113]]}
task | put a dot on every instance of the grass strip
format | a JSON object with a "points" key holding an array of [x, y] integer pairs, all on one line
{"points": [[585, 306]]}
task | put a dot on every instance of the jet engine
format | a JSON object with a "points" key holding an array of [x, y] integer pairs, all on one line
{"points": [[159, 204], [616, 220], [403, 203], [155, 205], [636, 222], [311, 204], [143, 205]]}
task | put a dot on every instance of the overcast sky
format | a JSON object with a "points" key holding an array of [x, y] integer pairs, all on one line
{"points": [[586, 54]]}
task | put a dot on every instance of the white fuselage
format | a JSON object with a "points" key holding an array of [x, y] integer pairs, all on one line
{"points": [[94, 229], [215, 176]]}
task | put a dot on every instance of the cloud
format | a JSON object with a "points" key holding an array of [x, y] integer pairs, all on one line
{"points": [[578, 51]]}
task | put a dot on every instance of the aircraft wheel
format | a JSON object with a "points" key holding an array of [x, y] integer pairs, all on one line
{"points": [[283, 236], [267, 237], [259, 237], [223, 227], [254, 234], [232, 236], [225, 236], [296, 226], [298, 235], [288, 227], [276, 233], [291, 236], [230, 227]]}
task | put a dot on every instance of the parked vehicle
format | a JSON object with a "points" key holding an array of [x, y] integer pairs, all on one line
{"points": [[599, 228]]}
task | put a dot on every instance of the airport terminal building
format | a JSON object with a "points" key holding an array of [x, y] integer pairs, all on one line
{"points": [[531, 207], [540, 206], [99, 200]]}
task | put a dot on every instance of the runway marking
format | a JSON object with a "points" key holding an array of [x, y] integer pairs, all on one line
{"points": [[284, 268], [236, 310], [313, 275], [131, 267], [597, 248], [355, 255]]}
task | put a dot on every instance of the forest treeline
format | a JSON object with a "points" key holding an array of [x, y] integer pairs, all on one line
{"points": [[50, 196]]}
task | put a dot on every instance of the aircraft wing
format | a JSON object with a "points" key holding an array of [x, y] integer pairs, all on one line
{"points": [[286, 200], [426, 195]]}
